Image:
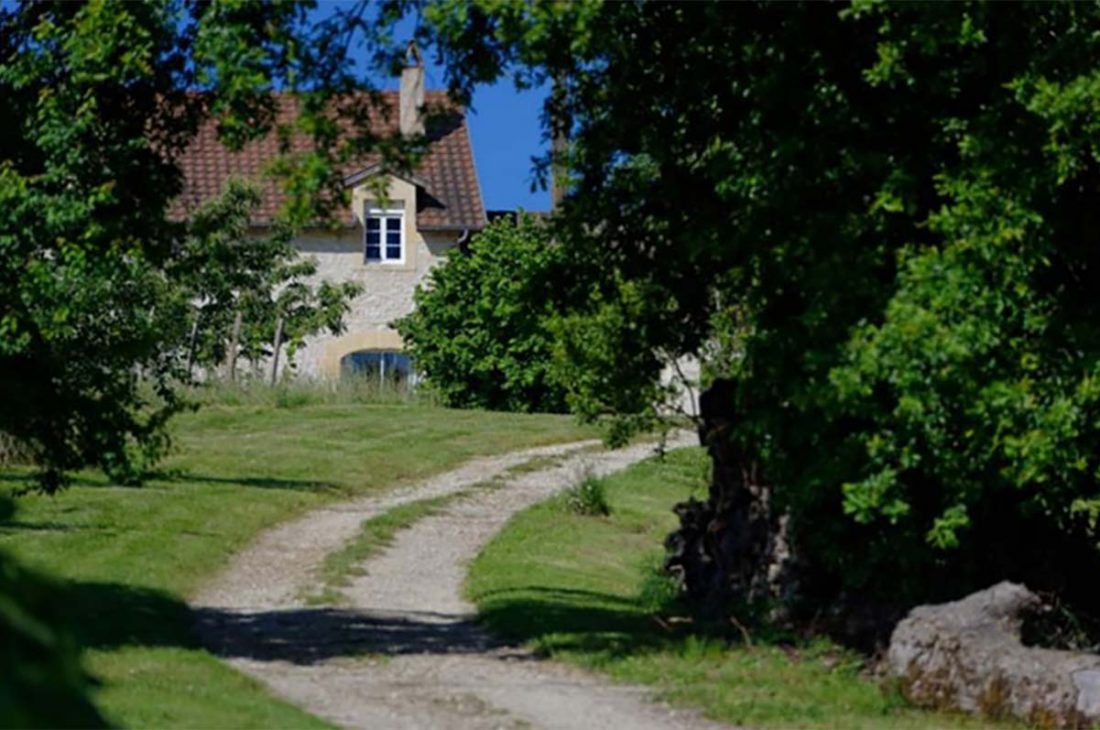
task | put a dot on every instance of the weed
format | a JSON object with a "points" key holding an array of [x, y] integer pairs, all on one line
{"points": [[587, 497], [659, 592], [301, 392]]}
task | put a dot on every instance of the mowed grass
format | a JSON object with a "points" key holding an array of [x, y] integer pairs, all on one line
{"points": [[128, 558], [578, 588]]}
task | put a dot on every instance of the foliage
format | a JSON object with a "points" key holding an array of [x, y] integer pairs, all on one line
{"points": [[44, 683], [86, 95], [976, 391], [587, 497], [224, 269], [480, 331], [879, 218]]}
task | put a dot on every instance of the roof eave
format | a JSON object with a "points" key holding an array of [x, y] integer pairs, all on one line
{"points": [[451, 228]]}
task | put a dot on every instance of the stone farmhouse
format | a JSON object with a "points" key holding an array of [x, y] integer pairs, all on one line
{"points": [[387, 247]]}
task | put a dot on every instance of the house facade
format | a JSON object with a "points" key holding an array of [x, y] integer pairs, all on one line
{"points": [[386, 245]]}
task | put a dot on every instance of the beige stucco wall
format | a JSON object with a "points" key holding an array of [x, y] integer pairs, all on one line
{"points": [[387, 288]]}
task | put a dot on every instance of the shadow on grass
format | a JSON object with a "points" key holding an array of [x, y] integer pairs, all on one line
{"points": [[11, 527], [20, 481], [109, 615], [310, 635], [562, 620], [26, 480], [255, 482], [556, 595]]}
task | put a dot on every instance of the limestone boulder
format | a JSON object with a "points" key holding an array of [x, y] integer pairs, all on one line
{"points": [[967, 655]]}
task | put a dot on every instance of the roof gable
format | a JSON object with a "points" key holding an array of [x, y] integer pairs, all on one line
{"points": [[376, 168], [448, 196]]}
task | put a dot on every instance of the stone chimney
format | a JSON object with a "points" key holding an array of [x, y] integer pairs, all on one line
{"points": [[412, 92]]}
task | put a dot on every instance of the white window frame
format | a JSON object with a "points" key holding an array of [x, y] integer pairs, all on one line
{"points": [[383, 215]]}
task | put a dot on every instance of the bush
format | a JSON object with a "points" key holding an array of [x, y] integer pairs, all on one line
{"points": [[659, 592], [479, 333], [13, 452], [587, 497]]}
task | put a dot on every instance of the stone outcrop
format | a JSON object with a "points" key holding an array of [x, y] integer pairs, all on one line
{"points": [[968, 655]]}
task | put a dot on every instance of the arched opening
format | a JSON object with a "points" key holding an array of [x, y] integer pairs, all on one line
{"points": [[385, 367]]}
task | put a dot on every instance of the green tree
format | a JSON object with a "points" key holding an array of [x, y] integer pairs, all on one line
{"points": [[88, 108], [881, 214], [889, 205], [480, 331], [224, 269]]}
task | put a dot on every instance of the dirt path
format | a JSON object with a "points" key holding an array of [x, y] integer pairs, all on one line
{"points": [[408, 653]]}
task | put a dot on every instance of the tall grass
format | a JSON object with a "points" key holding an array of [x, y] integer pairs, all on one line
{"points": [[300, 392], [13, 452]]}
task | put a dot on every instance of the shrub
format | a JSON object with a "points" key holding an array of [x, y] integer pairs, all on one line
{"points": [[660, 591], [587, 497], [479, 333]]}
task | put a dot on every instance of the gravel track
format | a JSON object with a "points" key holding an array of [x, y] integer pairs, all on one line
{"points": [[408, 652]]}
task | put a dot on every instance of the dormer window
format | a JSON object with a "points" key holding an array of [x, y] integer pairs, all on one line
{"points": [[384, 240]]}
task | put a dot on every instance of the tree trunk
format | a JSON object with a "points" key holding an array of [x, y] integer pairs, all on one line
{"points": [[278, 346], [234, 340], [731, 547], [192, 341]]}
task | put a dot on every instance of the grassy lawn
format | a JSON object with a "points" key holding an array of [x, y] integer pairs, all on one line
{"points": [[127, 558], [576, 588]]}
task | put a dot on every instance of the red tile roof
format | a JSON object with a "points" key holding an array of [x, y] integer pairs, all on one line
{"points": [[449, 197]]}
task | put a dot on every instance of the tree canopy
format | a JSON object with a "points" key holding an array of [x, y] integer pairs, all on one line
{"points": [[881, 217]]}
